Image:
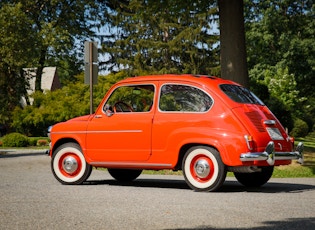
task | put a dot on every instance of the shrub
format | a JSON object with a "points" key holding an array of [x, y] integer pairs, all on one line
{"points": [[38, 141], [42, 142], [32, 141], [15, 140], [300, 128]]}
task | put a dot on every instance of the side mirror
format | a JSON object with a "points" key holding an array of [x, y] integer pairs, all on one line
{"points": [[108, 110]]}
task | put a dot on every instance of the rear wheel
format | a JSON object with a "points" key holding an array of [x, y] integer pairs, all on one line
{"points": [[203, 168], [68, 164], [125, 175], [255, 179]]}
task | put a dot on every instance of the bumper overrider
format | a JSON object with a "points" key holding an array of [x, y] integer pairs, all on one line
{"points": [[271, 156], [48, 134]]}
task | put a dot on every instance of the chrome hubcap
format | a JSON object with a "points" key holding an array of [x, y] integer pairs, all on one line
{"points": [[70, 165], [202, 168]]}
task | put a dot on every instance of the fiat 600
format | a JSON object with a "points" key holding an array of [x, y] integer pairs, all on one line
{"points": [[202, 125]]}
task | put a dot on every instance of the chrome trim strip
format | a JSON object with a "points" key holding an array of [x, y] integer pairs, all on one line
{"points": [[102, 131], [70, 132], [269, 122], [116, 131]]}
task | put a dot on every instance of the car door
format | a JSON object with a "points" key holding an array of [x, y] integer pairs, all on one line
{"points": [[120, 131]]}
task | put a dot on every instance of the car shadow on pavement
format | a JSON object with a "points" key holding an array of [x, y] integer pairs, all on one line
{"points": [[21, 154], [228, 186], [145, 183], [287, 224], [270, 187]]}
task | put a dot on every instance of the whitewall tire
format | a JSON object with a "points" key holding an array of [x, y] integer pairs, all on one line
{"points": [[203, 168], [68, 164]]}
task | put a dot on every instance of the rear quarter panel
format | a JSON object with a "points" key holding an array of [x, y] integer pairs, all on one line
{"points": [[218, 128]]}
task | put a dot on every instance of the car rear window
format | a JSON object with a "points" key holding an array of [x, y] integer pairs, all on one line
{"points": [[240, 94]]}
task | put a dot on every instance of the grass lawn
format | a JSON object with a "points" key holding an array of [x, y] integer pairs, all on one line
{"points": [[295, 169]]}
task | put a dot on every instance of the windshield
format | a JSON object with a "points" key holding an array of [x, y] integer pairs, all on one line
{"points": [[240, 94]]}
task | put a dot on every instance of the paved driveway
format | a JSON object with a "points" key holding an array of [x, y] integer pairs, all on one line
{"points": [[31, 198]]}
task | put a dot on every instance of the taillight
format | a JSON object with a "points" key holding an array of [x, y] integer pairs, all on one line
{"points": [[249, 141]]}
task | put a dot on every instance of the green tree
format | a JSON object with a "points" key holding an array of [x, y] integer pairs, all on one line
{"points": [[61, 26], [51, 107], [162, 37], [38, 34], [60, 105], [16, 52], [280, 44]]}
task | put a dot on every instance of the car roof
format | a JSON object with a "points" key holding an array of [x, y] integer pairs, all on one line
{"points": [[202, 79]]}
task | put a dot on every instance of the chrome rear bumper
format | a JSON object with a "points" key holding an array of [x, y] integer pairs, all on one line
{"points": [[271, 156]]}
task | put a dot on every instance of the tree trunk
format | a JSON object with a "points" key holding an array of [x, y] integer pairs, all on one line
{"points": [[232, 41]]}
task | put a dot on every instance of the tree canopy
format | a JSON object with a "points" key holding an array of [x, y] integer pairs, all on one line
{"points": [[38, 34], [281, 52], [139, 37], [162, 37], [14, 45]]}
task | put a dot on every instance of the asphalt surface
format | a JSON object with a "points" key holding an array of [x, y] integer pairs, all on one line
{"points": [[31, 198]]}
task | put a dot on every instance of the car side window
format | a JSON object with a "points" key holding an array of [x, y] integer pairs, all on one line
{"points": [[184, 98], [131, 98]]}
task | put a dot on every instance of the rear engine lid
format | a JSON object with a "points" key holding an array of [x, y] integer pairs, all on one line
{"points": [[263, 127], [260, 122]]}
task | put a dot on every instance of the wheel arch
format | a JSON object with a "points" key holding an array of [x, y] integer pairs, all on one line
{"points": [[64, 141], [185, 148]]}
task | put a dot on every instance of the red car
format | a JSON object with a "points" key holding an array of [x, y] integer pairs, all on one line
{"points": [[202, 125]]}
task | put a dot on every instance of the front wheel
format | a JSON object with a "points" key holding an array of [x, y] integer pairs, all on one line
{"points": [[68, 164], [125, 175], [255, 179], [203, 168]]}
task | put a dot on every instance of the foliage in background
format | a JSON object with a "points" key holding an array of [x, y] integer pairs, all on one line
{"points": [[47, 109], [60, 27], [162, 37], [20, 140], [16, 52], [300, 129], [35, 34], [281, 53], [14, 140], [146, 37], [71, 101]]}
